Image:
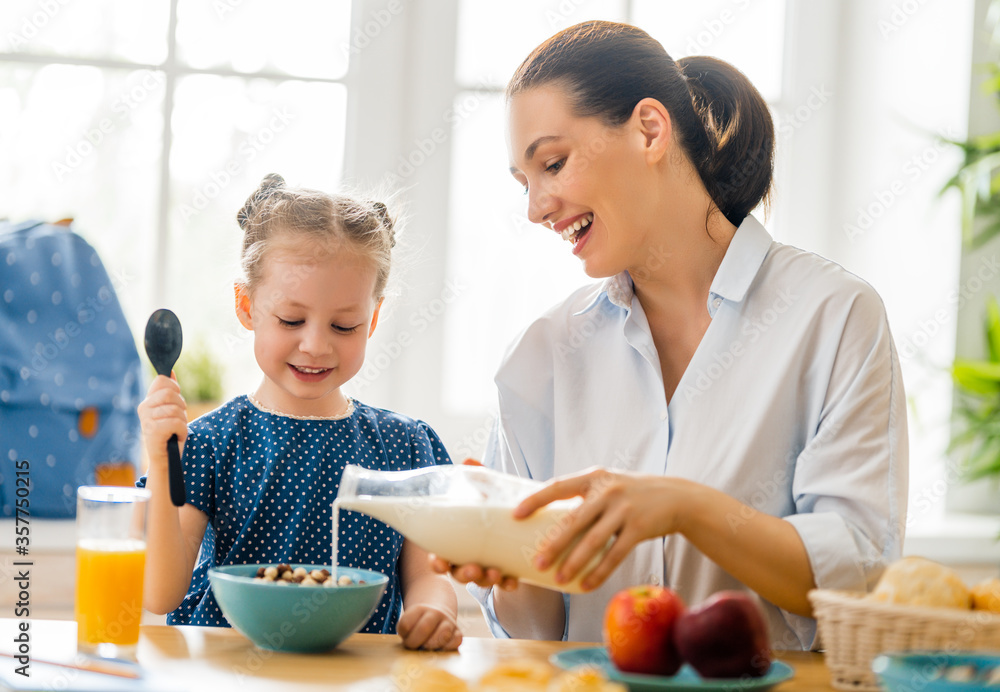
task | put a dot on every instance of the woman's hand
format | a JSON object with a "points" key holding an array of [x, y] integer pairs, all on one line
{"points": [[162, 413], [424, 626], [477, 574], [623, 508]]}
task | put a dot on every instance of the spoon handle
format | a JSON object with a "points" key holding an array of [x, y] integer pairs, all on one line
{"points": [[175, 472]]}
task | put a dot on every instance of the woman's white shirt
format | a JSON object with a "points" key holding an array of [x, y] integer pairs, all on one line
{"points": [[793, 404]]}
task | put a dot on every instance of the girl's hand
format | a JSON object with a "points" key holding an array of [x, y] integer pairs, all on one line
{"points": [[477, 574], [426, 627], [162, 413], [627, 508]]}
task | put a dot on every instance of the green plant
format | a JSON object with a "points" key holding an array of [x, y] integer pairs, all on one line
{"points": [[979, 183], [199, 374], [978, 177], [976, 409], [978, 406]]}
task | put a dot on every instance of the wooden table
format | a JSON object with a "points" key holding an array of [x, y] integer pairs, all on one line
{"points": [[222, 660]]}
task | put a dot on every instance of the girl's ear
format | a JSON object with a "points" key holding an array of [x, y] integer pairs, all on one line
{"points": [[655, 126], [371, 329], [243, 305]]}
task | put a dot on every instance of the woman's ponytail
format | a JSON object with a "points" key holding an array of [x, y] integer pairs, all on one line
{"points": [[739, 166]]}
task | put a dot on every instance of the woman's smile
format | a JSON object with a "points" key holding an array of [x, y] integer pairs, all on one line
{"points": [[574, 228], [580, 238]]}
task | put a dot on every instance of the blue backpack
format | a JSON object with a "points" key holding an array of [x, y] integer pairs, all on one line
{"points": [[69, 369]]}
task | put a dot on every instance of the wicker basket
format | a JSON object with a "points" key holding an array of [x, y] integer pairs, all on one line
{"points": [[854, 631]]}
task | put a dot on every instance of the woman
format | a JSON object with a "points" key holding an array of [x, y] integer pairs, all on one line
{"points": [[741, 399]]}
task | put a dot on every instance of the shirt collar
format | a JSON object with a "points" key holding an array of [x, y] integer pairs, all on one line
{"points": [[739, 267], [620, 290], [617, 288]]}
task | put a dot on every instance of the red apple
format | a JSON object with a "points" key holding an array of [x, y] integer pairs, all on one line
{"points": [[725, 637], [638, 630]]}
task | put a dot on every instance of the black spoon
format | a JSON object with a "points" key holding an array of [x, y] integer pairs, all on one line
{"points": [[163, 345]]}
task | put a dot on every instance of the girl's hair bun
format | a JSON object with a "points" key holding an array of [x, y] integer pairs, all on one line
{"points": [[270, 183], [388, 223]]}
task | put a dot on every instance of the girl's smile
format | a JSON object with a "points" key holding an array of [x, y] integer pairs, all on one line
{"points": [[309, 374]]}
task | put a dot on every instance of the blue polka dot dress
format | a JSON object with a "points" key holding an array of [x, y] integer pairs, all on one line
{"points": [[267, 482]]}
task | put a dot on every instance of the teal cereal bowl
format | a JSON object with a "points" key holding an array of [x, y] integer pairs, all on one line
{"points": [[290, 617]]}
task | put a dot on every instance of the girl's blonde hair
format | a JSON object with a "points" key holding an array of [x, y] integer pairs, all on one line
{"points": [[275, 211]]}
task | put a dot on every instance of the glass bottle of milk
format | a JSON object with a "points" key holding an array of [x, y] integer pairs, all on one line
{"points": [[462, 514]]}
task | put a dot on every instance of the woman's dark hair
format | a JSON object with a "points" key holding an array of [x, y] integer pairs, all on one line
{"points": [[721, 120]]}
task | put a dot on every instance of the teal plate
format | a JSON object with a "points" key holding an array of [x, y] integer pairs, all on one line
{"points": [[686, 679], [925, 671]]}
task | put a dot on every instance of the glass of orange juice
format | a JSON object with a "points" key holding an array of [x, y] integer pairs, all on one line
{"points": [[110, 561]]}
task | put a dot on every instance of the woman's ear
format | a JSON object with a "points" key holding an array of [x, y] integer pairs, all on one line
{"points": [[243, 305], [655, 126], [371, 329]]}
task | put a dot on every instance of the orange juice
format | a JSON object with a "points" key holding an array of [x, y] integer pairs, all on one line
{"points": [[115, 473], [109, 576]]}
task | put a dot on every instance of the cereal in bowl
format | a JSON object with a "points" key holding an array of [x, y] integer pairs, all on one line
{"points": [[286, 574]]}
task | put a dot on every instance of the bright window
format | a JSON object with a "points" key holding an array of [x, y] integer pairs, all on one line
{"points": [[150, 123]]}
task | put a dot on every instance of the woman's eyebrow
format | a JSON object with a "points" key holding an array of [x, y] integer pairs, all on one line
{"points": [[533, 147]]}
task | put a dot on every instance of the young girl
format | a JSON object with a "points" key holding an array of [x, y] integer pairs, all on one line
{"points": [[262, 471]]}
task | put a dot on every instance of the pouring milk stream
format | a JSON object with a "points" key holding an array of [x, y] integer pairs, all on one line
{"points": [[462, 514]]}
